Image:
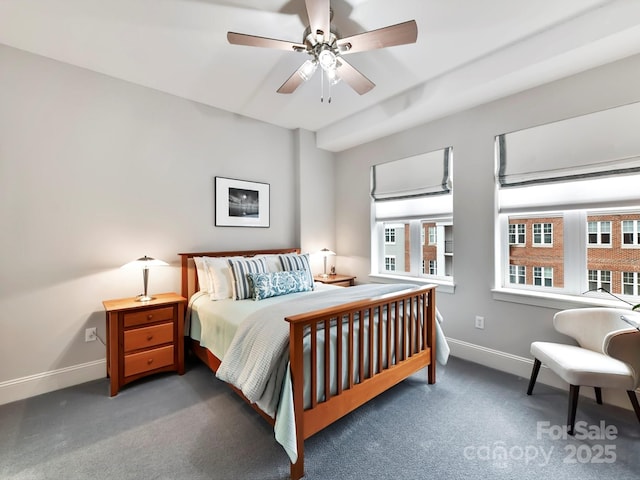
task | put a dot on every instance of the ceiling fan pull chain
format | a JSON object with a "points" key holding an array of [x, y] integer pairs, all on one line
{"points": [[322, 86]]}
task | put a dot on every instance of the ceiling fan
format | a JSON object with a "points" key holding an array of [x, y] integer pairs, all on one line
{"points": [[327, 50]]}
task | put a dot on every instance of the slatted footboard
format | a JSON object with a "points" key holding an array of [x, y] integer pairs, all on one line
{"points": [[397, 329]]}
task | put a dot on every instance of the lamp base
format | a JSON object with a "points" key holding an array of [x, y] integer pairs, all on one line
{"points": [[144, 298]]}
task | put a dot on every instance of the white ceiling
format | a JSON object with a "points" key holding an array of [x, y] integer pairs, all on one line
{"points": [[468, 52]]}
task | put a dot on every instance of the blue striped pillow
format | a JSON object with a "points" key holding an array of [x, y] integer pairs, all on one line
{"points": [[293, 261], [241, 269]]}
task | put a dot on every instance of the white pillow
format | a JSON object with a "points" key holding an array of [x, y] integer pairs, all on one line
{"points": [[204, 280], [221, 276], [273, 262]]}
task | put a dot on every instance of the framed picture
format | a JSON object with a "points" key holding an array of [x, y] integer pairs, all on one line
{"points": [[239, 203]]}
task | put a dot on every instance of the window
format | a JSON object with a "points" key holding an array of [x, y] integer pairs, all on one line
{"points": [[630, 281], [433, 269], [517, 234], [599, 233], [433, 236], [543, 276], [542, 234], [574, 188], [517, 274], [412, 206], [390, 235], [631, 232], [600, 279], [389, 263]]}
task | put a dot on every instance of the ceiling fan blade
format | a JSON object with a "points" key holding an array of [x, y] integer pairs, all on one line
{"points": [[353, 77], [319, 16], [399, 34], [254, 41], [293, 82]]}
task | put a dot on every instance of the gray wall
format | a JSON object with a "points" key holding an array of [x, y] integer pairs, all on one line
{"points": [[509, 327], [95, 172]]}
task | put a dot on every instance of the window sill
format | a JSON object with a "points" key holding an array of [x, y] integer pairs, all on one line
{"points": [[554, 300], [442, 286]]}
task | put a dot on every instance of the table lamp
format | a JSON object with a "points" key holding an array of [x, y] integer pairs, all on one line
{"points": [[325, 252], [144, 263]]}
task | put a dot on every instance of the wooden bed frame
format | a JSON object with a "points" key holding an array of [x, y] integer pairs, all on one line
{"points": [[413, 338]]}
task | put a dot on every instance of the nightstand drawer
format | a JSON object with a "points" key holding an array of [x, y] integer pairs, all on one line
{"points": [[149, 315], [148, 360], [148, 336]]}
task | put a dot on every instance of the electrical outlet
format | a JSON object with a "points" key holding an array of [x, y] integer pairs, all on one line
{"points": [[479, 322], [90, 335]]}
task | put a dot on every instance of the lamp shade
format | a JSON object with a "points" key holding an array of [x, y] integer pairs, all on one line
{"points": [[143, 263]]}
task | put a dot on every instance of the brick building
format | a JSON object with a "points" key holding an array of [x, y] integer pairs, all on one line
{"points": [[536, 252]]}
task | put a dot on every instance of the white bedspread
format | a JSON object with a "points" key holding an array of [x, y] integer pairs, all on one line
{"points": [[256, 361]]}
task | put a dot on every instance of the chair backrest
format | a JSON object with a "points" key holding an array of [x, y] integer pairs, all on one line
{"points": [[625, 345], [590, 326]]}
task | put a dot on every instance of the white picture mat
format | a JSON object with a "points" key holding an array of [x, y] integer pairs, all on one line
{"points": [[226, 206]]}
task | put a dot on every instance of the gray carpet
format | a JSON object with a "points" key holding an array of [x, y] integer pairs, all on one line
{"points": [[473, 423]]}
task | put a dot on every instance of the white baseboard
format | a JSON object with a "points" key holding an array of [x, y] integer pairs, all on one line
{"points": [[44, 382], [521, 367], [33, 385]]}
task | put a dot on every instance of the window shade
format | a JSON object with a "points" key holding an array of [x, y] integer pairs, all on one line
{"points": [[417, 176], [413, 187], [598, 144]]}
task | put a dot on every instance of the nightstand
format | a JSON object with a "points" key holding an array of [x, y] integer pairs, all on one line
{"points": [[339, 280], [144, 338]]}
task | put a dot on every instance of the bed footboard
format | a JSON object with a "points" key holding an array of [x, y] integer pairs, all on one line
{"points": [[398, 329]]}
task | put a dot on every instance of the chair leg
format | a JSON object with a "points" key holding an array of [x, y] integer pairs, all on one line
{"points": [[598, 395], [634, 402], [534, 375], [574, 390]]}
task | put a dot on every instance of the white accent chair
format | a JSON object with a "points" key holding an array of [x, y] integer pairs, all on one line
{"points": [[608, 355]]}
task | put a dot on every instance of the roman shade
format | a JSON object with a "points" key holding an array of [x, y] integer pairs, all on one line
{"points": [[598, 144], [583, 162], [417, 176], [413, 187]]}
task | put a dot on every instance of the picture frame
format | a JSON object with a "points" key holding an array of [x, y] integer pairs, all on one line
{"points": [[241, 203]]}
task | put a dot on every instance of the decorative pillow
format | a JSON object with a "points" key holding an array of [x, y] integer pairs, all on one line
{"points": [[272, 284], [240, 269], [222, 283], [292, 261]]}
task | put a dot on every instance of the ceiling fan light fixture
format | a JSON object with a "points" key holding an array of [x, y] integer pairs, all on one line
{"points": [[327, 58], [332, 76], [308, 69]]}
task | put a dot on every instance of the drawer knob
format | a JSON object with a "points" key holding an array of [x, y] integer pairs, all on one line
{"points": [[150, 316], [149, 338], [149, 361]]}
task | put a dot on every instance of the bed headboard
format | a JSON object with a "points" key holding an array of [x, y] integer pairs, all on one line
{"points": [[189, 274]]}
